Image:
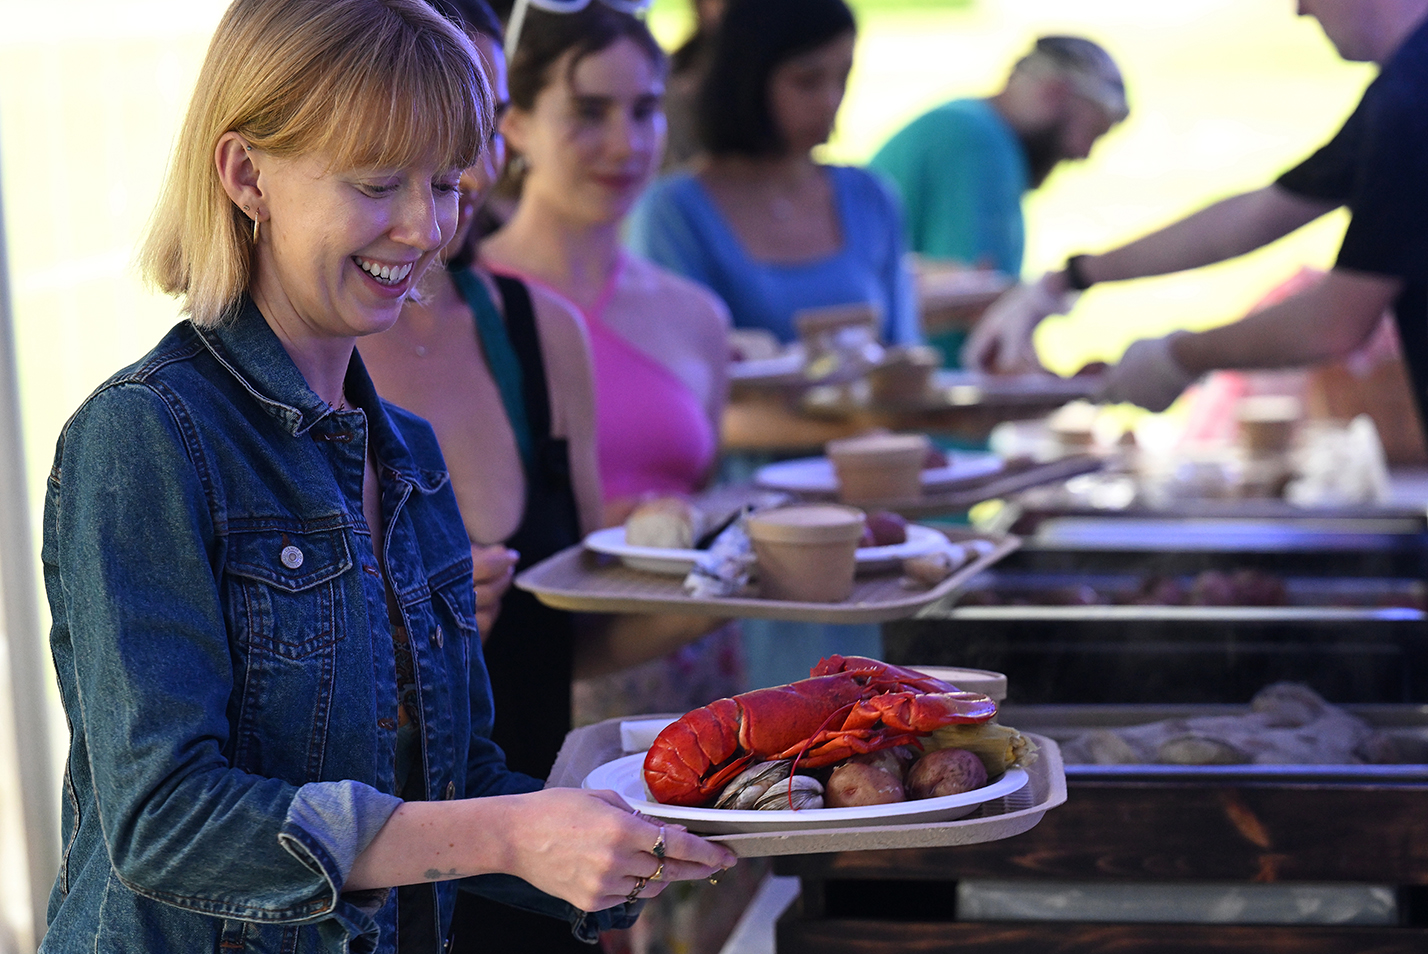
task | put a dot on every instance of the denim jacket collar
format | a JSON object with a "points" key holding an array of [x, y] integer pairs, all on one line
{"points": [[247, 346]]}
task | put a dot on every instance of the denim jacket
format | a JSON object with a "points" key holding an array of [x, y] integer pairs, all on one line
{"points": [[225, 660]]}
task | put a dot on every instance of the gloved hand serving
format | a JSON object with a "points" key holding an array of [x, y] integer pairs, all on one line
{"points": [[1148, 375], [1001, 342]]}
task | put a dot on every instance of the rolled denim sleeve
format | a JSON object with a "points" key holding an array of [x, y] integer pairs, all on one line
{"points": [[330, 823], [139, 618]]}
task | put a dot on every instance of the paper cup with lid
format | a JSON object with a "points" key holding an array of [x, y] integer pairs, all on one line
{"points": [[877, 467], [806, 553]]}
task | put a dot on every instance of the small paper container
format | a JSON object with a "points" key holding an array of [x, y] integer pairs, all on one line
{"points": [[879, 466], [1267, 423], [905, 375], [806, 553]]}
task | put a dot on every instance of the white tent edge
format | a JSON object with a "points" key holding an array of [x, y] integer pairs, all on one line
{"points": [[29, 670]]}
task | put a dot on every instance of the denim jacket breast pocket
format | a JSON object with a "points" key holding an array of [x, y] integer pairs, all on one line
{"points": [[287, 615], [287, 599]]}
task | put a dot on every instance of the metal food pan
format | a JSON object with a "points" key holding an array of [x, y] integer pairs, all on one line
{"points": [[1377, 546], [1346, 647]]}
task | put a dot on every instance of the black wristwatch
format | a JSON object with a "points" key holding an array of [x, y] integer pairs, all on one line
{"points": [[1074, 276]]}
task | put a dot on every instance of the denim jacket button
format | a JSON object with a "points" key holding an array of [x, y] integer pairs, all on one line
{"points": [[450, 791], [387, 723], [440, 637], [291, 557]]}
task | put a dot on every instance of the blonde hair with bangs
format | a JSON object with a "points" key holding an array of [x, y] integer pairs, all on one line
{"points": [[369, 84]]}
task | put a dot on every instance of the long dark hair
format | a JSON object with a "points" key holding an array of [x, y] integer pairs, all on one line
{"points": [[755, 38]]}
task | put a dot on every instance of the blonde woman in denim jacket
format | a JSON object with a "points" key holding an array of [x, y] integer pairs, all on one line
{"points": [[264, 623]]}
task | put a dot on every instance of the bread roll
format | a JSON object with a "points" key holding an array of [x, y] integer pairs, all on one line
{"points": [[665, 522]]}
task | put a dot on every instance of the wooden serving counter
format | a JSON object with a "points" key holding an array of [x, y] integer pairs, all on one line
{"points": [[1218, 825]]}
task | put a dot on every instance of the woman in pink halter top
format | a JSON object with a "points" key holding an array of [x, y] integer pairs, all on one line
{"points": [[654, 433], [586, 123]]}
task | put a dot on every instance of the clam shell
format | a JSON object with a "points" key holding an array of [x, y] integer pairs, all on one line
{"points": [[748, 785], [807, 793]]}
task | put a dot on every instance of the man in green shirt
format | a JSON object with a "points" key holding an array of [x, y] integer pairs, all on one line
{"points": [[962, 168]]}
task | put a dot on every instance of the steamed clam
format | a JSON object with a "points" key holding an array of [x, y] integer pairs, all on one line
{"points": [[749, 785], [798, 792]]}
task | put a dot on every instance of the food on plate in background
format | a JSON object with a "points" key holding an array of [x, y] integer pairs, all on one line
{"points": [[806, 553], [847, 706], [884, 529], [875, 467], [667, 522], [929, 569]]}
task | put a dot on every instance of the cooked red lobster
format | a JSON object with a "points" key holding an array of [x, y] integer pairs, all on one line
{"points": [[849, 705]]}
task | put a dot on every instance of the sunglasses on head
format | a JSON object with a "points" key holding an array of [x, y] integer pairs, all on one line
{"points": [[518, 14]]}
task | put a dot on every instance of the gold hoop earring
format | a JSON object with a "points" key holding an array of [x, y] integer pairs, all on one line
{"points": [[255, 230]]}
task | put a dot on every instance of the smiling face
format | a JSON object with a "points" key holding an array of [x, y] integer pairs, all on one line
{"points": [[592, 143], [340, 251], [805, 92]]}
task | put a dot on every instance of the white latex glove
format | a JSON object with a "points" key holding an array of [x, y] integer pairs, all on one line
{"points": [[1001, 342], [1148, 375]]}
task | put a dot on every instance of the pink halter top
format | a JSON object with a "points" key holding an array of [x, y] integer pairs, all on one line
{"points": [[653, 436]]}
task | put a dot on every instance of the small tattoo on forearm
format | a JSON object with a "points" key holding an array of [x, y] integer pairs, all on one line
{"points": [[432, 874]]}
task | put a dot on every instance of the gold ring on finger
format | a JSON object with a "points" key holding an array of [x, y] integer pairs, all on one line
{"points": [[658, 872], [634, 895], [658, 849]]}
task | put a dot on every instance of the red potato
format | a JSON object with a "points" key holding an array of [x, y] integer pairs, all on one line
{"points": [[945, 772], [894, 761], [855, 783]]}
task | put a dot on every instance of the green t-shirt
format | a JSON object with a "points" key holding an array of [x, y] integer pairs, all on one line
{"points": [[961, 174]]}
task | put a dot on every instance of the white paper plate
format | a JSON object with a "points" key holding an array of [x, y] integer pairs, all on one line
{"points": [[625, 776], [671, 562], [787, 364], [815, 475]]}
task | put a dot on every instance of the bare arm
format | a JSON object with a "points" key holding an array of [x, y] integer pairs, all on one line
{"points": [[1225, 230], [1324, 322], [1002, 340], [583, 846]]}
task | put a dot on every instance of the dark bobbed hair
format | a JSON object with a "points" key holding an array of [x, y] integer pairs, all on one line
{"points": [[473, 16], [755, 38], [546, 37]]}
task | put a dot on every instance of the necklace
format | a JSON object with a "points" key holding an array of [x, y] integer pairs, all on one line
{"points": [[340, 406]]}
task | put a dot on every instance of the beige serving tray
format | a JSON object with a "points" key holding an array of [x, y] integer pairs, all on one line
{"points": [[581, 581], [587, 748]]}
